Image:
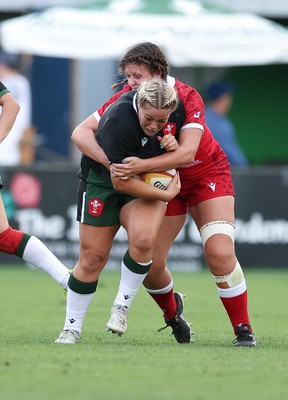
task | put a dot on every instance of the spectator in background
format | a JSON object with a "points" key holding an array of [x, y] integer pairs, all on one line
{"points": [[18, 147], [219, 101]]}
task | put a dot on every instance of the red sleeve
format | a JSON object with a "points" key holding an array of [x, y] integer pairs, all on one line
{"points": [[112, 99], [193, 103]]}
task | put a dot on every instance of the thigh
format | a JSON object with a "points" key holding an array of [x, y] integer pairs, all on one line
{"points": [[168, 231], [159, 275], [95, 246], [216, 209], [96, 239], [141, 215]]}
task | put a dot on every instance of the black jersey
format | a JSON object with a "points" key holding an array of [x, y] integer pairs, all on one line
{"points": [[3, 89], [120, 134]]}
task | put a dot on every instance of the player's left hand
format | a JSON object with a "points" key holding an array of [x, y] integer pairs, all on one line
{"points": [[130, 167], [168, 142]]}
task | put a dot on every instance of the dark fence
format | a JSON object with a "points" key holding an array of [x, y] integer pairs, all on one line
{"points": [[41, 200]]}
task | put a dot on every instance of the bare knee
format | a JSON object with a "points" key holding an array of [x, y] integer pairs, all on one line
{"points": [[91, 263], [142, 241], [220, 254], [218, 242]]}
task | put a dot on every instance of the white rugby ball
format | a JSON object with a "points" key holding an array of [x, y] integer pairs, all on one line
{"points": [[159, 180]]}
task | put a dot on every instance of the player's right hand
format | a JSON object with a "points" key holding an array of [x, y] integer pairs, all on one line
{"points": [[174, 186]]}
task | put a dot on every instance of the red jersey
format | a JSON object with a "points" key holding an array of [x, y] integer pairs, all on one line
{"points": [[195, 118], [210, 167]]}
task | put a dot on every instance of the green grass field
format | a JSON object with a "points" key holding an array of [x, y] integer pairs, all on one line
{"points": [[142, 364]]}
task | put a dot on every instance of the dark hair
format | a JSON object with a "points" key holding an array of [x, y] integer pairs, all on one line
{"points": [[145, 53], [218, 89]]}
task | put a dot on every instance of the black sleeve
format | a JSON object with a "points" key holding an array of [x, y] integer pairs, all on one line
{"points": [[3, 89], [119, 137]]}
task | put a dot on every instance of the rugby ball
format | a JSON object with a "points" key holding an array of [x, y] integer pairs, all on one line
{"points": [[159, 180]]}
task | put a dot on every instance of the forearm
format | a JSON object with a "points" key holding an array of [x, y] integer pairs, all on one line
{"points": [[169, 160], [189, 142], [84, 139], [10, 109], [185, 154], [136, 187]]}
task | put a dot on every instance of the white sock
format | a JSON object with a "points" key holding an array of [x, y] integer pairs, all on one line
{"points": [[232, 292], [37, 254], [129, 285], [77, 305]]}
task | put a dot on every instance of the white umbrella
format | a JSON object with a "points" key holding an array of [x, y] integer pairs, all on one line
{"points": [[21, 5], [189, 34]]}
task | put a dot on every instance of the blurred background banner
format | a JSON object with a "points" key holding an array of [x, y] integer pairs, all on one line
{"points": [[192, 33], [42, 201], [70, 52], [68, 49]]}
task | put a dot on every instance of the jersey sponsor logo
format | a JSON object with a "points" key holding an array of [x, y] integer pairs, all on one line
{"points": [[212, 186], [195, 162], [95, 207], [144, 140], [170, 127], [197, 115]]}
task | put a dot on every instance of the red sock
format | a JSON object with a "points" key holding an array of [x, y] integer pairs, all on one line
{"points": [[167, 303], [10, 240], [237, 309]]}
